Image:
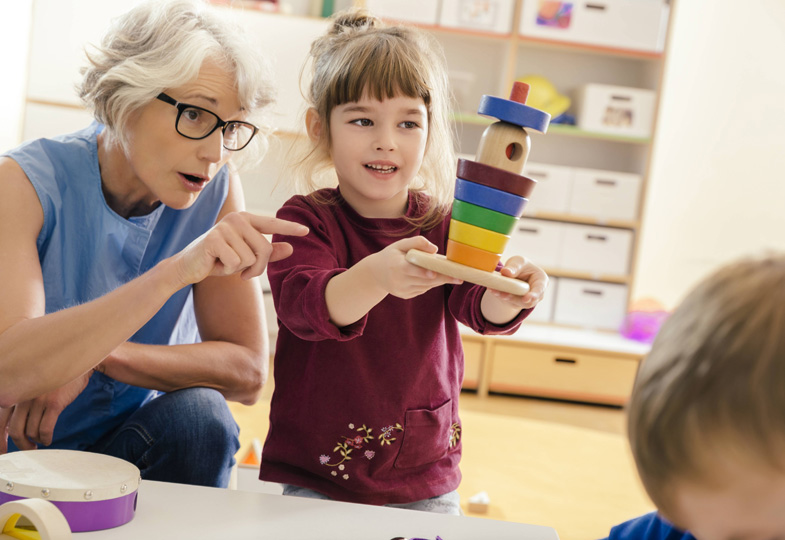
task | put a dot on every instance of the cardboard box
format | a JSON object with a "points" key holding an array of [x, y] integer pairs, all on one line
{"points": [[415, 11], [616, 110], [482, 15], [605, 195], [599, 251], [551, 195], [590, 304], [625, 24], [537, 240]]}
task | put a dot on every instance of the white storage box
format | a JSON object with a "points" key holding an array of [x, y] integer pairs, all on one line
{"points": [[552, 192], [617, 110], [416, 11], [543, 312], [536, 240], [599, 251], [625, 24], [483, 15], [604, 195], [590, 304]]}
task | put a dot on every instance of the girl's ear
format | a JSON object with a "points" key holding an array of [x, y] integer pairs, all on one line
{"points": [[313, 125]]}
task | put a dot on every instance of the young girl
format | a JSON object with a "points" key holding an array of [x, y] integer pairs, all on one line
{"points": [[369, 363]]}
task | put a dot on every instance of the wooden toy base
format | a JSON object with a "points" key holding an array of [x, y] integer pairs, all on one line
{"points": [[492, 280]]}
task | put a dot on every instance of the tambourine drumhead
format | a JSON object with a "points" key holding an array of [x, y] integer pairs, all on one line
{"points": [[93, 491], [67, 475]]}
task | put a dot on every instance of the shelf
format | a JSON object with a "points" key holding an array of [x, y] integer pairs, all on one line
{"points": [[555, 129], [587, 276], [590, 49], [569, 218]]}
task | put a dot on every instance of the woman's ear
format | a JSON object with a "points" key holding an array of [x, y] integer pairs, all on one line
{"points": [[313, 125]]}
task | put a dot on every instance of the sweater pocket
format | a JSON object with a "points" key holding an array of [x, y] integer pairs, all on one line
{"points": [[426, 436]]}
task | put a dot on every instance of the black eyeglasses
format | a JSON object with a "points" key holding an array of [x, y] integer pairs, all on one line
{"points": [[197, 123]]}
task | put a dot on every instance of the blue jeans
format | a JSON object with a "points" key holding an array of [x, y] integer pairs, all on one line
{"points": [[449, 503], [188, 436]]}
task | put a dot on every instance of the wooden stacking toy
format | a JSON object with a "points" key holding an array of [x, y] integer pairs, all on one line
{"points": [[92, 491], [490, 195]]}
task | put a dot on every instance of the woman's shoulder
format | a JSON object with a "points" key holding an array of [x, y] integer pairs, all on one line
{"points": [[60, 150]]}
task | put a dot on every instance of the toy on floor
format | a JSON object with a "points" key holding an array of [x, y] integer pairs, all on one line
{"points": [[253, 456], [93, 491], [490, 195], [478, 503]]}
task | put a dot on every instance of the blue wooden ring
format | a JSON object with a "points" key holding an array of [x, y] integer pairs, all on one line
{"points": [[490, 198], [515, 113]]}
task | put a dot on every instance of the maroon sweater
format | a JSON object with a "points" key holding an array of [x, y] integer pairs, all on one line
{"points": [[368, 412]]}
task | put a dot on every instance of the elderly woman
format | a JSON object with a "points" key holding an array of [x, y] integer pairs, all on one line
{"points": [[126, 261]]}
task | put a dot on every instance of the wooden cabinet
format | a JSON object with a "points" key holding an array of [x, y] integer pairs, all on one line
{"points": [[552, 362]]}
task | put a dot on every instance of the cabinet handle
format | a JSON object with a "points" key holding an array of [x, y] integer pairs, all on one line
{"points": [[542, 175], [617, 97], [596, 237], [598, 7], [565, 361], [595, 292], [529, 230], [605, 182]]}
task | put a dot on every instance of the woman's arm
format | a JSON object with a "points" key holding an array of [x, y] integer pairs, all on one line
{"points": [[61, 346], [233, 355]]}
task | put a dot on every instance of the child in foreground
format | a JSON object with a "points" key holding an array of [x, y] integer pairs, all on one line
{"points": [[707, 415], [369, 362]]}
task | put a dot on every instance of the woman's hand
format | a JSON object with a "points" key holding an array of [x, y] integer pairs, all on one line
{"points": [[32, 422], [398, 277], [236, 244]]}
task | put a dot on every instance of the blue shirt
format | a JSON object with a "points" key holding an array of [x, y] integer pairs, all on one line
{"points": [[87, 250], [648, 527]]}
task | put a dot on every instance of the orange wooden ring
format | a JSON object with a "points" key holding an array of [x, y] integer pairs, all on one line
{"points": [[480, 173], [474, 236], [472, 256]]}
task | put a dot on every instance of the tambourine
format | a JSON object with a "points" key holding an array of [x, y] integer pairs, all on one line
{"points": [[93, 491]]}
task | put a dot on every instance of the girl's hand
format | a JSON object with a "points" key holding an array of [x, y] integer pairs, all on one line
{"points": [[398, 277], [236, 244], [519, 268]]}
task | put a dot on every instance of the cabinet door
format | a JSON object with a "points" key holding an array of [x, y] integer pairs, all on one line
{"points": [[549, 372]]}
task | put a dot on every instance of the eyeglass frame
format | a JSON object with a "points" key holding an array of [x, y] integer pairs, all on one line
{"points": [[220, 123]]}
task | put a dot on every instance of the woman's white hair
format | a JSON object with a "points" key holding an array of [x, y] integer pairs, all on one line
{"points": [[163, 44]]}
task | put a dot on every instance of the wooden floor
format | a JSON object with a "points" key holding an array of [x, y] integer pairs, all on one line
{"points": [[564, 465]]}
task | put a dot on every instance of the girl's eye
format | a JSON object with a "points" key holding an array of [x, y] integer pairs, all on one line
{"points": [[364, 122], [409, 124]]}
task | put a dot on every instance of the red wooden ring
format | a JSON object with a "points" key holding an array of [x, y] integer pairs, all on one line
{"points": [[479, 173]]}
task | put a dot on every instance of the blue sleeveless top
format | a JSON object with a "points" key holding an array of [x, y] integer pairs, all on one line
{"points": [[87, 250]]}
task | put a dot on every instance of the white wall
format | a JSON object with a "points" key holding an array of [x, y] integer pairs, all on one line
{"points": [[717, 188], [14, 42]]}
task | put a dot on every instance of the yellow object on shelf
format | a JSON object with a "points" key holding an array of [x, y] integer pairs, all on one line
{"points": [[544, 96]]}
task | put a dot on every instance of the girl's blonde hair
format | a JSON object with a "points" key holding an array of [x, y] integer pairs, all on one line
{"points": [[361, 56], [163, 44], [712, 389]]}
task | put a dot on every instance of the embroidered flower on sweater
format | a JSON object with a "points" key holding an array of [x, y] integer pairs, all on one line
{"points": [[349, 444], [455, 434], [387, 434]]}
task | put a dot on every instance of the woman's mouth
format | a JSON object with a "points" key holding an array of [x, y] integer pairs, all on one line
{"points": [[193, 182]]}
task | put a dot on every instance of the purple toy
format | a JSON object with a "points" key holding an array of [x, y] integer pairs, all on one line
{"points": [[93, 491]]}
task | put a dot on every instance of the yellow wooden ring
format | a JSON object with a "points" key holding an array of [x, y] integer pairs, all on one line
{"points": [[478, 237], [472, 256]]}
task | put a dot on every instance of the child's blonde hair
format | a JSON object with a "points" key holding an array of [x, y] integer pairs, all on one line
{"points": [[713, 386], [360, 55]]}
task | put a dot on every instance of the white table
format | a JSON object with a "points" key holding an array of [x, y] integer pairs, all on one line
{"points": [[176, 511]]}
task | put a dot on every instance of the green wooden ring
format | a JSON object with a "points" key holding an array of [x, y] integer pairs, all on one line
{"points": [[483, 217]]}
